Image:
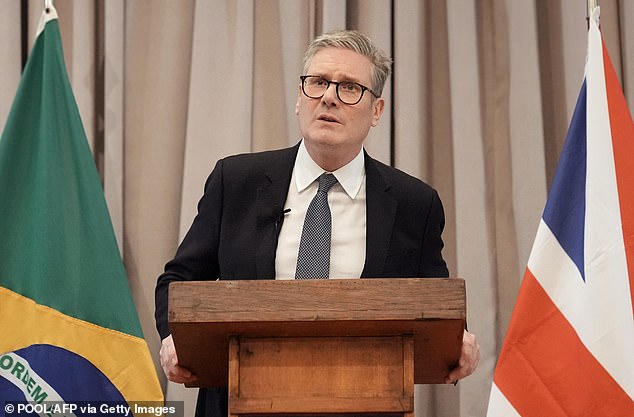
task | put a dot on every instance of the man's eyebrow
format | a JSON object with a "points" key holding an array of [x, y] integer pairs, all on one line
{"points": [[345, 78]]}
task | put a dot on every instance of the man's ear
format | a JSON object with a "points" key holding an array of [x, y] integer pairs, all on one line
{"points": [[299, 97], [377, 107]]}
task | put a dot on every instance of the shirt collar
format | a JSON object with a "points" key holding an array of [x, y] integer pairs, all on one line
{"points": [[350, 176]]}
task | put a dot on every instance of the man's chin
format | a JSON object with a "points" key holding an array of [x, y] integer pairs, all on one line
{"points": [[325, 140]]}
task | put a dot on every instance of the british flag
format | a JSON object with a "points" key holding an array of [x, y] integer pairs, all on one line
{"points": [[569, 349]]}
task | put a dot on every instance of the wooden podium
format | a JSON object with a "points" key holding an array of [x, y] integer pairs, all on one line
{"points": [[347, 347]]}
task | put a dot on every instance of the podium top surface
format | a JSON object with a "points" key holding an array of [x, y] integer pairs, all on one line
{"points": [[203, 314]]}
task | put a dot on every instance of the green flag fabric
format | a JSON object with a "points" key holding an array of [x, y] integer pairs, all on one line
{"points": [[70, 328]]}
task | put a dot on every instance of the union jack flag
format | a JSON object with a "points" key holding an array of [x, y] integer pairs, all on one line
{"points": [[569, 349]]}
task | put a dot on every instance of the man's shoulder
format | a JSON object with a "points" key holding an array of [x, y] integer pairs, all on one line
{"points": [[273, 163], [396, 179], [262, 157]]}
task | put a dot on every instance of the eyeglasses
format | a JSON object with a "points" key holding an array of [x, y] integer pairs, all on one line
{"points": [[348, 92]]}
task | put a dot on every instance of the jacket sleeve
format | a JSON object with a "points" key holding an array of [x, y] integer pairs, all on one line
{"points": [[432, 264], [197, 255]]}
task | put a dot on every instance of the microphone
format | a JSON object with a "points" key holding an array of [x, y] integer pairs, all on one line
{"points": [[278, 218]]}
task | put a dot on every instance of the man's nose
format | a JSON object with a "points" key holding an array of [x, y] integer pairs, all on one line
{"points": [[330, 95]]}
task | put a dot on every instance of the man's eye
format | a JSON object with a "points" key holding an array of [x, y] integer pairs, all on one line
{"points": [[349, 86], [320, 82]]}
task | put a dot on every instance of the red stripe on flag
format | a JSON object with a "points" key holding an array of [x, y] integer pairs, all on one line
{"points": [[622, 129], [545, 370]]}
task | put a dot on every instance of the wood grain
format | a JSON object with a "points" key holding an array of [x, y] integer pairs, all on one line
{"points": [[204, 314]]}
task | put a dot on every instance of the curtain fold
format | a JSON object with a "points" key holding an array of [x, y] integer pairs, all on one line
{"points": [[478, 106], [157, 76], [10, 50]]}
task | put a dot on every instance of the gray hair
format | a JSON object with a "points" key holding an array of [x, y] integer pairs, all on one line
{"points": [[359, 43]]}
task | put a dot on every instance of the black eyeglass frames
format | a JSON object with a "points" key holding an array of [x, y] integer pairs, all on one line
{"points": [[348, 92]]}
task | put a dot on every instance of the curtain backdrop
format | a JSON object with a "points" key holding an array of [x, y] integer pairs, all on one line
{"points": [[478, 106]]}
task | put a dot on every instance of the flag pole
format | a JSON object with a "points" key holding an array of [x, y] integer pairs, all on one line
{"points": [[590, 5]]}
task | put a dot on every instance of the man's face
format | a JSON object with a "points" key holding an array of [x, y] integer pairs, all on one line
{"points": [[330, 127]]}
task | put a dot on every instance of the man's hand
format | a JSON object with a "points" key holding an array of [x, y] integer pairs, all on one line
{"points": [[469, 358], [169, 362]]}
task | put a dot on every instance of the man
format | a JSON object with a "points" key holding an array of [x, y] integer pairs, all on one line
{"points": [[253, 219]]}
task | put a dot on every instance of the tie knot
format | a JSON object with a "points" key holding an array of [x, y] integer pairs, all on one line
{"points": [[326, 181]]}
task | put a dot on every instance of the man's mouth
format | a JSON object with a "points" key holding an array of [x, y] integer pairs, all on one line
{"points": [[328, 118]]}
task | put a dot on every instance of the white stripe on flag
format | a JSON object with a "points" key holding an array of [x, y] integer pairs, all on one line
{"points": [[502, 408], [605, 258], [36, 390], [597, 309]]}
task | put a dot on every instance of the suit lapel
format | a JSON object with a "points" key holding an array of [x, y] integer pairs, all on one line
{"points": [[381, 213], [271, 196]]}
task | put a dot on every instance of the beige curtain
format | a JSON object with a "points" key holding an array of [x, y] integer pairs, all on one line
{"points": [[478, 106]]}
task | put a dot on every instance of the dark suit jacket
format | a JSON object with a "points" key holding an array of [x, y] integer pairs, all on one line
{"points": [[234, 235]]}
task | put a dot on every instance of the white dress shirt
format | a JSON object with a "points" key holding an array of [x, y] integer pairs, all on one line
{"points": [[348, 211]]}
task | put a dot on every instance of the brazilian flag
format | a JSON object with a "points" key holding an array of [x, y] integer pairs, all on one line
{"points": [[69, 330]]}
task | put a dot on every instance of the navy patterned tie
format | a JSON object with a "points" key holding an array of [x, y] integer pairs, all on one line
{"points": [[313, 259]]}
